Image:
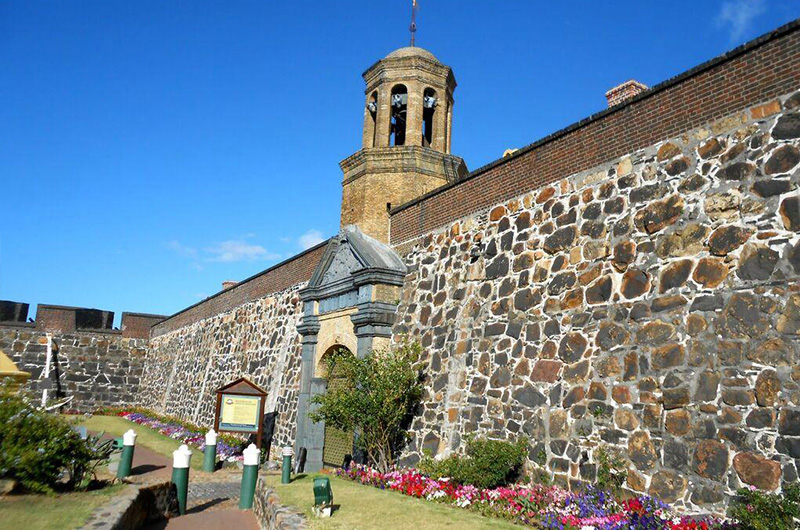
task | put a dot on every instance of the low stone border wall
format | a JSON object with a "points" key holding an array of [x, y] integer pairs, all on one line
{"points": [[271, 514], [135, 507]]}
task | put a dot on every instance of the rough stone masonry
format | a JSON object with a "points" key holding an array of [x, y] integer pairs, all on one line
{"points": [[649, 304]]}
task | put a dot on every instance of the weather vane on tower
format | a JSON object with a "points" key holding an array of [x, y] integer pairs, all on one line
{"points": [[413, 27]]}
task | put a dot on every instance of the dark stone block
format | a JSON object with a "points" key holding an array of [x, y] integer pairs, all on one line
{"points": [[789, 446], [760, 418], [497, 268], [562, 282], [641, 451], [561, 239], [710, 459], [600, 291], [558, 446], [648, 193], [787, 127], [757, 263], [592, 211], [726, 239], [529, 396], [789, 422], [572, 347], [790, 213], [707, 303], [635, 283], [737, 171], [676, 454], [492, 330], [770, 188]]}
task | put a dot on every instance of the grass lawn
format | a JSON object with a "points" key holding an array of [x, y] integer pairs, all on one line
{"points": [[58, 512], [368, 508], [71, 510], [116, 426]]}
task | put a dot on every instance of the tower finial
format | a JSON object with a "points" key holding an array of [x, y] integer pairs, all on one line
{"points": [[413, 27]]}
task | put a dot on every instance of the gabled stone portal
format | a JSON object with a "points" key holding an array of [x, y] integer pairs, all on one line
{"points": [[350, 303]]}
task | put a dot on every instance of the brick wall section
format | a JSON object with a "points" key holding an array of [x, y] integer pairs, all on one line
{"points": [[137, 325], [55, 318], [755, 72], [275, 279]]}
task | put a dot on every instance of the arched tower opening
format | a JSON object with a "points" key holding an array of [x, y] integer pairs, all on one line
{"points": [[371, 119], [399, 106], [429, 103]]}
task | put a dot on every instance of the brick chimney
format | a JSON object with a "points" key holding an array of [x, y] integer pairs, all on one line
{"points": [[227, 284], [625, 91]]}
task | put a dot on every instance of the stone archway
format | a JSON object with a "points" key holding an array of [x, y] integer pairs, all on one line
{"points": [[350, 301], [337, 443]]}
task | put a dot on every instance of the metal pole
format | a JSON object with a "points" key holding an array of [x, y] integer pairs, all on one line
{"points": [[181, 458], [249, 477], [47, 367], [126, 460], [210, 452], [286, 475]]}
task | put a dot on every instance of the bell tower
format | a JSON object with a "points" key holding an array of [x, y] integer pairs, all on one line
{"points": [[405, 153]]}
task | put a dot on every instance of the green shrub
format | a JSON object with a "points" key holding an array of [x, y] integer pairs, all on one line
{"points": [[486, 464], [757, 510], [611, 470], [42, 450]]}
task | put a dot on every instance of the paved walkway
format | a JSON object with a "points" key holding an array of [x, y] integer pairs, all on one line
{"points": [[214, 490], [213, 499], [227, 519]]}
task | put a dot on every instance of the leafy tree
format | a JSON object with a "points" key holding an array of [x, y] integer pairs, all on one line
{"points": [[375, 397]]}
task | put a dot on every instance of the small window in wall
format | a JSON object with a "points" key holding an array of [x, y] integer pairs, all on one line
{"points": [[372, 109], [398, 122], [429, 102]]}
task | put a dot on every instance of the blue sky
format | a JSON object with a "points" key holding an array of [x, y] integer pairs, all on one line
{"points": [[151, 149]]}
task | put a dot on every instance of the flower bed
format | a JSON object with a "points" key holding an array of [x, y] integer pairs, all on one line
{"points": [[228, 447], [546, 507]]}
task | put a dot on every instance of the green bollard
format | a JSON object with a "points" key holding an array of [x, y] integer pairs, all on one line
{"points": [[286, 474], [210, 452], [126, 460], [181, 458], [249, 477]]}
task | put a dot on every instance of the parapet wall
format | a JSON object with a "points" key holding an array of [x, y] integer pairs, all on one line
{"points": [[293, 271], [650, 304], [757, 71], [91, 362]]}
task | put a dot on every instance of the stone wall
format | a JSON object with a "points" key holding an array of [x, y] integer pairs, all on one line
{"points": [[257, 340], [98, 368], [649, 304], [271, 514]]}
